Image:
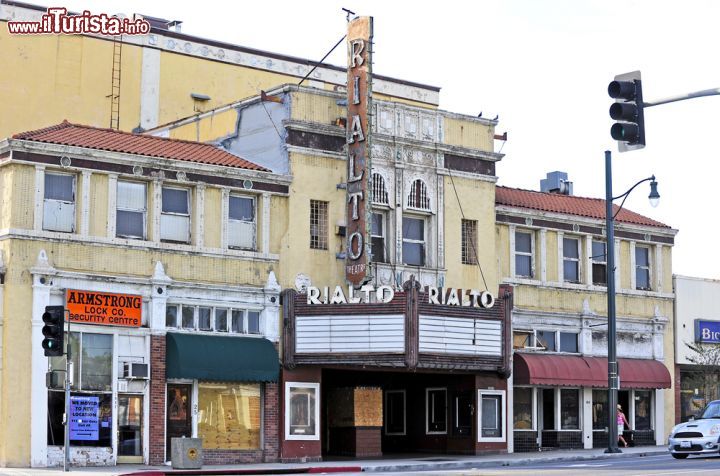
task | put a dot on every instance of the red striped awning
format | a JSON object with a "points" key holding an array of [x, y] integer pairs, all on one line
{"points": [[581, 371]]}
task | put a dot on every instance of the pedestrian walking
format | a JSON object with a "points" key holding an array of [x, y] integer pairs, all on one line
{"points": [[621, 422]]}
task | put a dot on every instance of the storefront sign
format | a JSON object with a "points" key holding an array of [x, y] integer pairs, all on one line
{"points": [[359, 95], [90, 307], [460, 297], [384, 294], [84, 419], [707, 332], [366, 294]]}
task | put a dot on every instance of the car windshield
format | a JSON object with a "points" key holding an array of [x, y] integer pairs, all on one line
{"points": [[712, 410]]}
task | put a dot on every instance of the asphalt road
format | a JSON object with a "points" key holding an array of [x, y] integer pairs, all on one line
{"points": [[633, 466]]}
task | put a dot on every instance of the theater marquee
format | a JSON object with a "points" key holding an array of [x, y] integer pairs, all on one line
{"points": [[359, 93]]}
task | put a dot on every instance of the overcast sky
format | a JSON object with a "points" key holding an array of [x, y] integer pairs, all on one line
{"points": [[543, 67]]}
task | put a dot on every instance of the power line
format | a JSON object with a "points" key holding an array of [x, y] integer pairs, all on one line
{"points": [[323, 59], [472, 242]]}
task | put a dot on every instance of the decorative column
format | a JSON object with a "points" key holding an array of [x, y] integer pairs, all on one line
{"points": [[42, 276]]}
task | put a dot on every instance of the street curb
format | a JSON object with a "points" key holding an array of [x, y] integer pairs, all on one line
{"points": [[519, 462]]}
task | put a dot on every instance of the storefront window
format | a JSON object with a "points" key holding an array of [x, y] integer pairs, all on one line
{"points": [[229, 416], [643, 410], [90, 412], [90, 419], [436, 405], [599, 409], [96, 363], [92, 361], [570, 409], [301, 414], [522, 408], [395, 412], [491, 416]]}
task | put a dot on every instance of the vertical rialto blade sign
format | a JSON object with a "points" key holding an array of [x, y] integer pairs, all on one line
{"points": [[359, 90]]}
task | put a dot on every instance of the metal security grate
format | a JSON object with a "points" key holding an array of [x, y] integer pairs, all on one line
{"points": [[379, 192], [418, 197], [469, 241], [318, 225]]}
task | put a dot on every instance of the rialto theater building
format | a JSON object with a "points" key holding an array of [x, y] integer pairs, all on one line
{"points": [[396, 331]]}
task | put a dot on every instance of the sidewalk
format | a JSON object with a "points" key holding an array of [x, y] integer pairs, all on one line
{"points": [[408, 463]]}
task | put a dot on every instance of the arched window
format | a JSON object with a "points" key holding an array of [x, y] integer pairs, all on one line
{"points": [[418, 196], [379, 192]]}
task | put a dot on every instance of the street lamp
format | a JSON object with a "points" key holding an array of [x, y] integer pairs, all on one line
{"points": [[613, 371]]}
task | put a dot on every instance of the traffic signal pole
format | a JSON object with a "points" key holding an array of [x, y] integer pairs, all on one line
{"points": [[66, 443], [683, 97]]}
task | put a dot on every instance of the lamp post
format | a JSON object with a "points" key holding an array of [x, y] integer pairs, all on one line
{"points": [[613, 370]]}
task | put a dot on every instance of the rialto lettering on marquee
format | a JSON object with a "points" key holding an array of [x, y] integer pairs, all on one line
{"points": [[384, 294]]}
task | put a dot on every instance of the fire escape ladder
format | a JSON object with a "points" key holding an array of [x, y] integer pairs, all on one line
{"points": [[115, 87]]}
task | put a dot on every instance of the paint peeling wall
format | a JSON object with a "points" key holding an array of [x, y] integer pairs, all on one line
{"points": [[261, 134]]}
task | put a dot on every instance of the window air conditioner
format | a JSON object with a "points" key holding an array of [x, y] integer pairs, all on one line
{"points": [[132, 370]]}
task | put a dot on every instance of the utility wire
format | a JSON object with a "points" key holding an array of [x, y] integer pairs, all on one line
{"points": [[321, 61], [472, 242], [271, 120]]}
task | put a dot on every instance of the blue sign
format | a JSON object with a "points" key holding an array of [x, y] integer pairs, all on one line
{"points": [[84, 412], [707, 332]]}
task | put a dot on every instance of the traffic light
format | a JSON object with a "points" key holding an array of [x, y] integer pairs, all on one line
{"points": [[53, 330], [629, 131]]}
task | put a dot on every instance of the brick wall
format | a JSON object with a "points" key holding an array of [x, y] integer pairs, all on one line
{"points": [[157, 399], [272, 423]]}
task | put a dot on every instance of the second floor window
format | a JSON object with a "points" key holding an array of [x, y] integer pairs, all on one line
{"points": [[241, 222], [213, 319], [523, 254], [413, 248], [175, 217], [599, 263], [418, 196], [379, 254], [379, 191], [546, 340], [469, 242], [642, 267], [571, 260], [318, 225], [59, 204], [131, 210]]}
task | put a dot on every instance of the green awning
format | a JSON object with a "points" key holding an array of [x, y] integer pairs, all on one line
{"points": [[221, 358]]}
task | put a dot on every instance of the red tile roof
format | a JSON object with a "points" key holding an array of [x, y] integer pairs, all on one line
{"points": [[571, 205], [89, 137]]}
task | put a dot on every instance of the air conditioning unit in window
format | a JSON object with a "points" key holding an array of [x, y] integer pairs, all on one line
{"points": [[133, 370]]}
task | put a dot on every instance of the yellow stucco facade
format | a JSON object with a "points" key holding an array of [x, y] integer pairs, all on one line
{"points": [[551, 295], [98, 254], [58, 77]]}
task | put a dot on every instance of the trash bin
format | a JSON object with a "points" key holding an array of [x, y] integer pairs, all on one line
{"points": [[186, 453]]}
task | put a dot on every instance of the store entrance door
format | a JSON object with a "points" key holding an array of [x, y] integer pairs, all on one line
{"points": [[129, 435], [179, 423]]}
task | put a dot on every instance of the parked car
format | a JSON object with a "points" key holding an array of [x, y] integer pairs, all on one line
{"points": [[699, 436]]}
